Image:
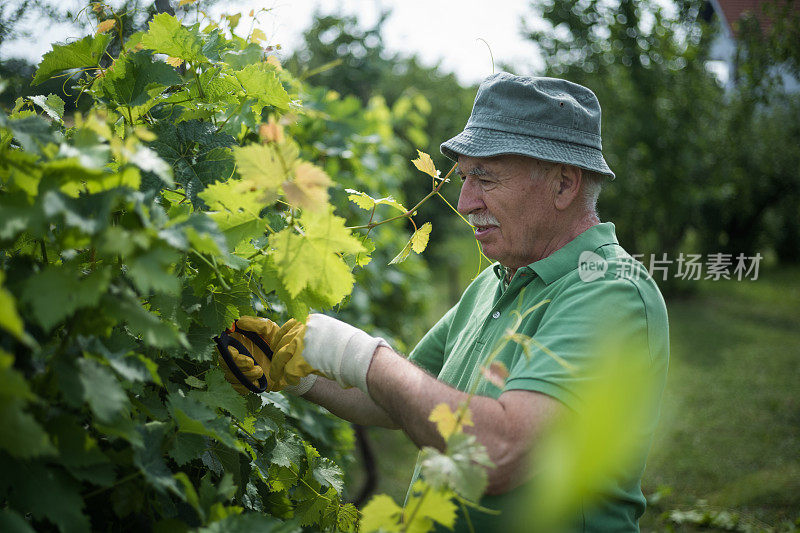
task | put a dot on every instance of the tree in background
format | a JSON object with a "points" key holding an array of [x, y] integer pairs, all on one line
{"points": [[699, 169]]}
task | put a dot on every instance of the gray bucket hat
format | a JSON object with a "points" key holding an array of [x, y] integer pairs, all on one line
{"points": [[545, 118]]}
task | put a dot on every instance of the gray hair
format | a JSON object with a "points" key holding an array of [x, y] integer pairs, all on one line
{"points": [[592, 183]]}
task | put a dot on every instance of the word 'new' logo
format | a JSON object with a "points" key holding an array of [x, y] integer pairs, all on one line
{"points": [[591, 266]]}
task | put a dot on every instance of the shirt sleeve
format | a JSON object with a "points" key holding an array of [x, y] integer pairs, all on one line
{"points": [[580, 326], [429, 352]]}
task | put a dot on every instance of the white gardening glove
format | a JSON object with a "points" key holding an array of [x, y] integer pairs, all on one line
{"points": [[339, 351]]}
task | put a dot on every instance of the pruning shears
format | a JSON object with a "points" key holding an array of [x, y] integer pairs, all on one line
{"points": [[225, 340]]}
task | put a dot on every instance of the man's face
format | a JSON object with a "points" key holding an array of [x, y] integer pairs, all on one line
{"points": [[512, 211]]}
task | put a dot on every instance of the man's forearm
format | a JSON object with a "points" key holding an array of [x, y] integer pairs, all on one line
{"points": [[350, 404], [408, 395]]}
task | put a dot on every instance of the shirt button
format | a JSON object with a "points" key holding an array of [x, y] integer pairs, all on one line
{"points": [[496, 314]]}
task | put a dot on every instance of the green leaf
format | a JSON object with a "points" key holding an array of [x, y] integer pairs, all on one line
{"points": [[188, 447], [32, 132], [312, 260], [195, 417], [101, 390], [260, 81], [57, 292], [20, 433], [310, 510], [79, 54], [288, 449], [125, 307], [11, 522], [281, 477], [79, 452], [220, 395], [380, 514], [52, 104], [128, 80], [227, 195], [46, 493], [150, 271], [462, 468], [166, 35], [149, 458], [249, 523], [9, 318], [328, 473]]}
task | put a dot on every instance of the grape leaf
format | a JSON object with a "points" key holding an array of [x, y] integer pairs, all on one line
{"points": [[446, 420], [9, 317], [380, 514], [125, 307], [328, 473], [195, 417], [425, 164], [261, 170], [462, 468], [367, 202], [431, 506], [260, 82], [418, 243], [227, 195], [166, 35], [12, 522], [309, 510], [187, 447], [79, 54], [249, 523], [46, 493], [309, 189], [101, 390], [57, 292], [220, 394], [128, 80], [312, 260], [281, 478], [52, 104], [149, 458], [150, 271], [288, 449]]}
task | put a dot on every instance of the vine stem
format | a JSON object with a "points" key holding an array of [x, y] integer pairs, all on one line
{"points": [[213, 266], [127, 478], [414, 209]]}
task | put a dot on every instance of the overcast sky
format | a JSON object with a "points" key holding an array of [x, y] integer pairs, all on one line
{"points": [[437, 30]]}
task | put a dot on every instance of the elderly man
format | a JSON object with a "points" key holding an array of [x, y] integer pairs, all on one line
{"points": [[531, 165]]}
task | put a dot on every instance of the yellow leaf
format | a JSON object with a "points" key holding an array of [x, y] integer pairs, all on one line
{"points": [[174, 61], [186, 2], [260, 169], [309, 189], [446, 420], [257, 36], [425, 164], [419, 241], [275, 62], [105, 26], [361, 199]]}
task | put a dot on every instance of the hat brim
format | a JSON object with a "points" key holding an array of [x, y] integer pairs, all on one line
{"points": [[483, 142]]}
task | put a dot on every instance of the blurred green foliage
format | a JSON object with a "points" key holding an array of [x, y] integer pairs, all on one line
{"points": [[700, 168]]}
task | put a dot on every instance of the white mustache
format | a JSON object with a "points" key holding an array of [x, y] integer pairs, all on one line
{"points": [[482, 219]]}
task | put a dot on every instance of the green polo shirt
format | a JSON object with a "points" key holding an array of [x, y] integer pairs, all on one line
{"points": [[610, 294]]}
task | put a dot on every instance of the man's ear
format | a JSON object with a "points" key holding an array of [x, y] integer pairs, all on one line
{"points": [[567, 185]]}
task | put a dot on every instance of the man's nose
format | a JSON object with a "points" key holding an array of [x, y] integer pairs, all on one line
{"points": [[469, 200]]}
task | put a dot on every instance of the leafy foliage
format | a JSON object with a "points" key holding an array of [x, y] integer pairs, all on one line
{"points": [[131, 235]]}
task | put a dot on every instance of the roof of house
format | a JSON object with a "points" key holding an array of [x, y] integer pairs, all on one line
{"points": [[732, 10]]}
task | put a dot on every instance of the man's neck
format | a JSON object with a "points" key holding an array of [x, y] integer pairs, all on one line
{"points": [[561, 240]]}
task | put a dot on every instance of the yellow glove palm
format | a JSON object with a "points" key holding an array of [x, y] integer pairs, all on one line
{"points": [[285, 366]]}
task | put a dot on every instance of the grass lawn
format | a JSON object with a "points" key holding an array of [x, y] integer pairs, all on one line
{"points": [[729, 435]]}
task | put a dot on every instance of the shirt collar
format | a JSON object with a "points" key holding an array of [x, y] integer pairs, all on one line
{"points": [[565, 259]]}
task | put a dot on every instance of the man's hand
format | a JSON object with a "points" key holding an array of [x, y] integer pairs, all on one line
{"points": [[283, 367], [326, 346]]}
